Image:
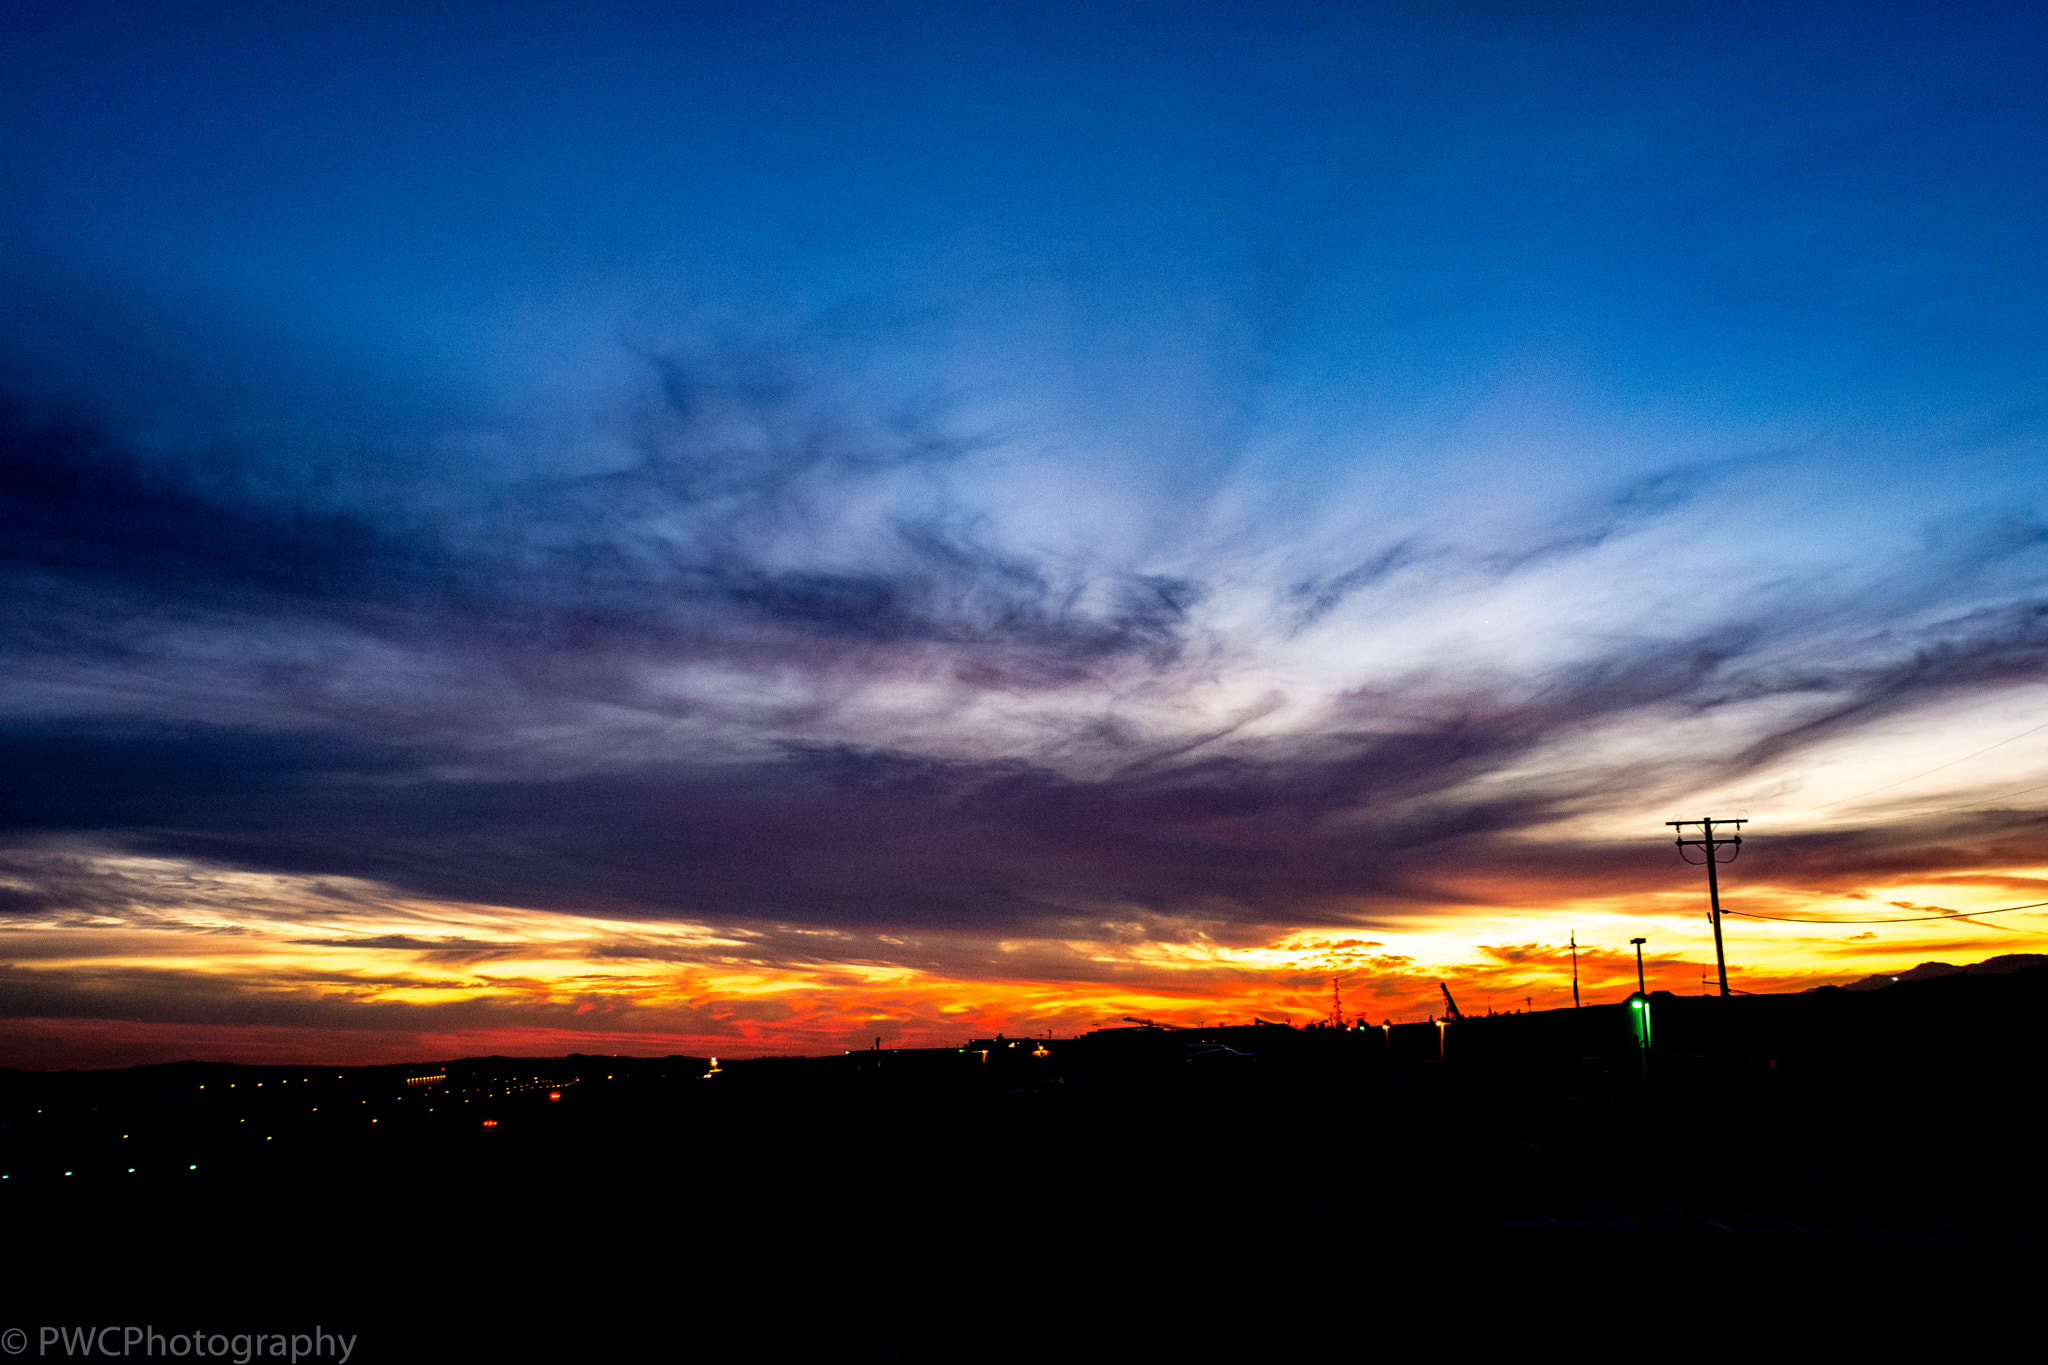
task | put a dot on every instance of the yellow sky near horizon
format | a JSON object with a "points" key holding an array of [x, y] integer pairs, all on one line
{"points": [[178, 959]]}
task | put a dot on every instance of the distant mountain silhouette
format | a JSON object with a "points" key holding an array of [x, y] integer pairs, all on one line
{"points": [[1990, 966]]}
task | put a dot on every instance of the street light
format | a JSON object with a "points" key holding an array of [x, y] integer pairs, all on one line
{"points": [[1639, 1012]]}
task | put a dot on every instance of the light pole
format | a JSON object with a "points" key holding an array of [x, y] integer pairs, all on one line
{"points": [[1639, 1012]]}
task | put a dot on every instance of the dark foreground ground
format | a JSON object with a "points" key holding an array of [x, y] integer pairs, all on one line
{"points": [[1813, 1171]]}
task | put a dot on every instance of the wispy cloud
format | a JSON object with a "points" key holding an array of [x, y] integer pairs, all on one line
{"points": [[765, 660]]}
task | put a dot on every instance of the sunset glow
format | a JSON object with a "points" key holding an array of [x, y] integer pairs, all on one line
{"points": [[691, 532], [275, 968]]}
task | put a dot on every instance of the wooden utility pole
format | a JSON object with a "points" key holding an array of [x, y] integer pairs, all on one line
{"points": [[1710, 847]]}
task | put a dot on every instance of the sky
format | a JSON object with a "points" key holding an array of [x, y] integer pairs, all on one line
{"points": [[669, 528]]}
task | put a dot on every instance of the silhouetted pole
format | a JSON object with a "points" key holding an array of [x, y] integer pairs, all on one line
{"points": [[1641, 989], [1575, 969], [1711, 845]]}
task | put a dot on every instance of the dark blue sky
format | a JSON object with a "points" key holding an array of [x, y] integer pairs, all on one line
{"points": [[1240, 465], [1737, 213]]}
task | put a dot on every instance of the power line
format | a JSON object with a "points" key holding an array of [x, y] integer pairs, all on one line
{"points": [[1980, 805], [1931, 771], [1911, 919]]}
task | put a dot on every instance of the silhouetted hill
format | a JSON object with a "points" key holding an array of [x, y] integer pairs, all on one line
{"points": [[1136, 1193], [1990, 966]]}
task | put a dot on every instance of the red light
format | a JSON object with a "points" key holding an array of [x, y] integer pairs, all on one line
{"points": [[490, 1123], [554, 1094]]}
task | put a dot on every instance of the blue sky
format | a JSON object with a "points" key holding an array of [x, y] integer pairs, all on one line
{"points": [[1248, 468]]}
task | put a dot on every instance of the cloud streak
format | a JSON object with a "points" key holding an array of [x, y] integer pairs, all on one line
{"points": [[1106, 553], [697, 681]]}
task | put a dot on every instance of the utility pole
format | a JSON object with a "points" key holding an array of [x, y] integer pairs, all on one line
{"points": [[1710, 847], [1575, 969]]}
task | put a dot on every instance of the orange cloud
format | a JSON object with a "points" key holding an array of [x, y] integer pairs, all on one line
{"points": [[212, 963]]}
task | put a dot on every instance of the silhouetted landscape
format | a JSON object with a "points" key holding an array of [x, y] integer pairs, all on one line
{"points": [[808, 681], [1036, 1195]]}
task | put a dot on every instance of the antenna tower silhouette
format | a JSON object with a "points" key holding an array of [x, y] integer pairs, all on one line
{"points": [[1710, 848]]}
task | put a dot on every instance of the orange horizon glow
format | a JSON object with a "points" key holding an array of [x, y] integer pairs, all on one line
{"points": [[258, 968]]}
